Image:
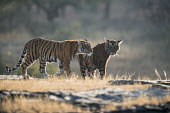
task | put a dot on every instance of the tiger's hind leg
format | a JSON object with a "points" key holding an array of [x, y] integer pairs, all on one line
{"points": [[24, 67], [42, 69], [27, 62]]}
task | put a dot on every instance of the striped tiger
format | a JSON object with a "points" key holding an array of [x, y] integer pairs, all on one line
{"points": [[99, 58], [51, 51]]}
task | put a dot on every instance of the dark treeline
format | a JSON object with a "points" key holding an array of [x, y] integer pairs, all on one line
{"points": [[25, 13]]}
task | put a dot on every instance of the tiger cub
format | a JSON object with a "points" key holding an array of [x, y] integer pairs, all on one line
{"points": [[98, 59], [51, 51]]}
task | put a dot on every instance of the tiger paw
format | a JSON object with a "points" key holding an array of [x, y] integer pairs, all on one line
{"points": [[44, 74], [49, 76], [26, 77]]}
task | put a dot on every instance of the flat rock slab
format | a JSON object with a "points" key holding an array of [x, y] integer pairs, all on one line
{"points": [[92, 99], [13, 77], [162, 84], [10, 77]]}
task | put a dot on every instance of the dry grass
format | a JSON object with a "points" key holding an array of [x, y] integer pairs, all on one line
{"points": [[39, 105], [71, 85], [141, 100]]}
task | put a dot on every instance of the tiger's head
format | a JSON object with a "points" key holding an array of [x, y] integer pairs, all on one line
{"points": [[112, 46], [84, 47]]}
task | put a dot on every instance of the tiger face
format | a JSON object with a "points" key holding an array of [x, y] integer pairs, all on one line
{"points": [[84, 47], [112, 46]]}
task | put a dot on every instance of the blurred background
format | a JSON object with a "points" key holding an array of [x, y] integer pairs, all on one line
{"points": [[144, 27]]}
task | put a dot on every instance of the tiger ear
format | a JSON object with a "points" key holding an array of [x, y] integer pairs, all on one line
{"points": [[120, 41], [85, 39], [105, 39]]}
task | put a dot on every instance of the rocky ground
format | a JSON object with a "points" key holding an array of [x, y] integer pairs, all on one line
{"points": [[97, 98]]}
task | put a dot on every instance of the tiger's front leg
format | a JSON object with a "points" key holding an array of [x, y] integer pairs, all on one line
{"points": [[83, 71], [42, 69], [102, 72], [90, 73], [67, 69], [60, 71]]}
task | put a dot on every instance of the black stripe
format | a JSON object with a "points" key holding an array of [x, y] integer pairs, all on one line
{"points": [[82, 63], [31, 47], [61, 67], [43, 47], [52, 46], [43, 67], [36, 52], [25, 48], [22, 56], [29, 59], [101, 70], [45, 50], [33, 50], [82, 71], [26, 64], [56, 46], [40, 42], [20, 61]]}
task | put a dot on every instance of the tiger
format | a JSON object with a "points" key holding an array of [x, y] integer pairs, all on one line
{"points": [[99, 58], [47, 51]]}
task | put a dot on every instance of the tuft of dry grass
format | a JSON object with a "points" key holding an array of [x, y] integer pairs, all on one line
{"points": [[71, 85]]}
